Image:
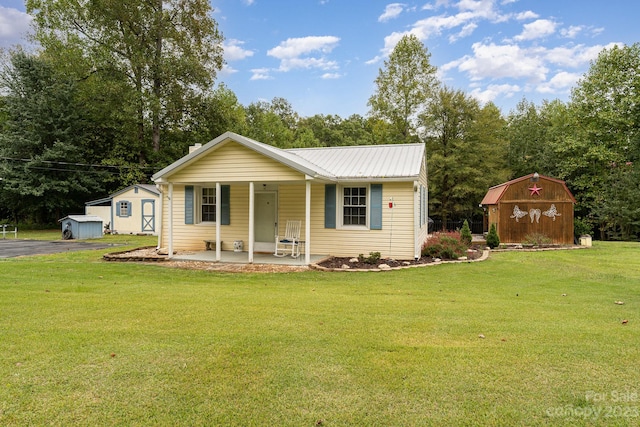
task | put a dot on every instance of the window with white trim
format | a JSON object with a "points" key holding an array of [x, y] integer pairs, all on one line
{"points": [[354, 206], [123, 208], [208, 205]]}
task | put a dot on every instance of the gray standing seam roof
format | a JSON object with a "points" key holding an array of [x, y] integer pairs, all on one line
{"points": [[370, 161], [400, 161]]}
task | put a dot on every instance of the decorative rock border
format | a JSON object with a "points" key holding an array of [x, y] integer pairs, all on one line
{"points": [[117, 256], [484, 256]]}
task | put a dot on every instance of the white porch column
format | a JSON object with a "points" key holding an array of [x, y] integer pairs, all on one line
{"points": [[417, 219], [218, 218], [307, 224], [161, 207], [251, 220], [170, 255]]}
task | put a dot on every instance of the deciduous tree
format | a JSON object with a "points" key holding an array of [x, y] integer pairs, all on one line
{"points": [[404, 88], [169, 50]]}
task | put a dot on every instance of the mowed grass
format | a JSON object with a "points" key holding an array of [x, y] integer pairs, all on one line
{"points": [[86, 342]]}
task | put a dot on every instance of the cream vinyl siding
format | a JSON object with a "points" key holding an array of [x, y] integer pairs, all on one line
{"points": [[133, 223], [103, 212], [232, 162], [397, 226], [423, 232], [191, 236]]}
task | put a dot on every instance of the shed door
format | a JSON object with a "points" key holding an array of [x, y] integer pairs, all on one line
{"points": [[148, 215]]}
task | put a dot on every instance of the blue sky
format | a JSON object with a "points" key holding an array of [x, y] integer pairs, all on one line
{"points": [[324, 55]]}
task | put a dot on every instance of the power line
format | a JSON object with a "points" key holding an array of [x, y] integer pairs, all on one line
{"points": [[55, 162]]}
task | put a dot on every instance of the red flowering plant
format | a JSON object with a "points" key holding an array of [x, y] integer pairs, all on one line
{"points": [[445, 245]]}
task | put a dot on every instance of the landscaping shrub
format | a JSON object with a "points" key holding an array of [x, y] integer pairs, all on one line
{"points": [[465, 233], [445, 246], [493, 240], [582, 227], [536, 239], [373, 258]]}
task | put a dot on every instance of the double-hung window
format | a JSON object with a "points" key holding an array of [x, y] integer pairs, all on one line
{"points": [[208, 205], [354, 206], [200, 205], [124, 208]]}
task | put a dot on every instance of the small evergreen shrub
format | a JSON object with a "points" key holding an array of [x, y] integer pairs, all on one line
{"points": [[582, 227], [493, 240], [444, 246], [536, 239], [465, 233], [373, 258]]}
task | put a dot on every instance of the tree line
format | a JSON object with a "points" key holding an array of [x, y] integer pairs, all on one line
{"points": [[119, 89]]}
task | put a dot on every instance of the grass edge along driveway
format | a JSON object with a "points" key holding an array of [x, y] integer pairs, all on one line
{"points": [[85, 342]]}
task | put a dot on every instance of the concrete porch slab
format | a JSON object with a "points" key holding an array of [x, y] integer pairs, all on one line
{"points": [[232, 257]]}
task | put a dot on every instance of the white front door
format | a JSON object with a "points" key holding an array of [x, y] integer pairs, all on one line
{"points": [[265, 218]]}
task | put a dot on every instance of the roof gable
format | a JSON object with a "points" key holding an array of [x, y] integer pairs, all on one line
{"points": [[150, 188], [495, 193]]}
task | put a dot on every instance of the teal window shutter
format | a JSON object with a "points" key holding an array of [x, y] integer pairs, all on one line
{"points": [[330, 206], [375, 212], [188, 204], [129, 207], [225, 214]]}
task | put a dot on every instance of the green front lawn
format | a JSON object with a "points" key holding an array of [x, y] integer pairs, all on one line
{"points": [[86, 342]]}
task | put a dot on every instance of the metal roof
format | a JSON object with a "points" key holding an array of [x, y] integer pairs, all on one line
{"points": [[399, 161], [82, 218], [367, 161]]}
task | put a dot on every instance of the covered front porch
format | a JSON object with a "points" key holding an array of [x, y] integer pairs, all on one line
{"points": [[232, 257]]}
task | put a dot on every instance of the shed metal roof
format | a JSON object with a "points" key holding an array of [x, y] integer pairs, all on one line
{"points": [[82, 218]]}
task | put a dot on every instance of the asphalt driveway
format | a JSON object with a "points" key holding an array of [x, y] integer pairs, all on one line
{"points": [[10, 248]]}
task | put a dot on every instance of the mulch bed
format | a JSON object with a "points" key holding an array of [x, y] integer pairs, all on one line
{"points": [[149, 254], [353, 263]]}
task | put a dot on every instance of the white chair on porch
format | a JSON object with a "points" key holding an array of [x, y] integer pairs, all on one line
{"points": [[290, 242]]}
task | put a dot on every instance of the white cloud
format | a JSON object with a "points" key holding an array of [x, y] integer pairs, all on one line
{"points": [[233, 50], [537, 29], [392, 11], [328, 76], [14, 25], [294, 47], [575, 56], [491, 61], [261, 74], [470, 12], [491, 92], [466, 31], [523, 16], [561, 82], [571, 32], [293, 52]]}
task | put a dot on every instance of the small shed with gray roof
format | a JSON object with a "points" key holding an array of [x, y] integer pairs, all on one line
{"points": [[130, 210], [350, 200]]}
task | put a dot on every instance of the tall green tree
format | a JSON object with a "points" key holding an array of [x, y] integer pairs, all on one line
{"points": [[272, 122], [45, 145], [466, 153], [605, 107], [404, 88], [168, 50], [447, 122]]}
